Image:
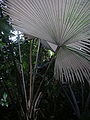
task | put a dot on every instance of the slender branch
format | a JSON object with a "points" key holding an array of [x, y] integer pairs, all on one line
{"points": [[37, 56], [35, 68], [23, 87], [36, 104], [31, 82], [22, 73]]}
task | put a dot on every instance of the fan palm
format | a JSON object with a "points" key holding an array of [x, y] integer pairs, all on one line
{"points": [[63, 24]]}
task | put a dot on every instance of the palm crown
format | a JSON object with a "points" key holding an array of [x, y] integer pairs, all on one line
{"points": [[64, 23]]}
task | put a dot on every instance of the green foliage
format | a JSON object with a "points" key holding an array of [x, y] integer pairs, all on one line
{"points": [[5, 28], [4, 101]]}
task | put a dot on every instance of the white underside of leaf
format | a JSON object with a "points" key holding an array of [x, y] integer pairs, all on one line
{"points": [[69, 66], [56, 21]]}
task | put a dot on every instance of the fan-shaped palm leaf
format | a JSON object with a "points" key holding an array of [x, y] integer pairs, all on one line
{"points": [[61, 22]]}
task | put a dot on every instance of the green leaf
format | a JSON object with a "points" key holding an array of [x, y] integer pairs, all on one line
{"points": [[5, 96]]}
